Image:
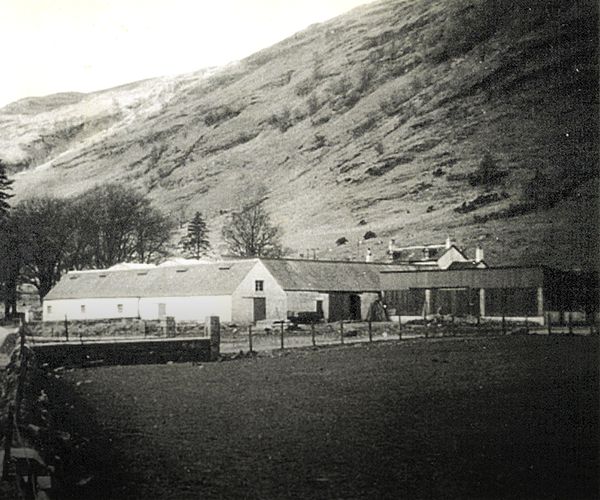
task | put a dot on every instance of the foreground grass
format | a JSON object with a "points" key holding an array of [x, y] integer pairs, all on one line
{"points": [[512, 417]]}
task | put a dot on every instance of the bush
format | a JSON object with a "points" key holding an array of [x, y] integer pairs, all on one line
{"points": [[369, 235], [313, 104], [282, 121], [341, 241], [488, 173], [219, 115]]}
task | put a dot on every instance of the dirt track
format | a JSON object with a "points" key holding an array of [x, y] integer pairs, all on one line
{"points": [[455, 418]]}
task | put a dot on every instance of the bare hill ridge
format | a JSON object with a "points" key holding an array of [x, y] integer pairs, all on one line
{"points": [[374, 121]]}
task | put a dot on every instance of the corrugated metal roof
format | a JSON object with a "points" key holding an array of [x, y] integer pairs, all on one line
{"points": [[220, 278], [327, 276]]}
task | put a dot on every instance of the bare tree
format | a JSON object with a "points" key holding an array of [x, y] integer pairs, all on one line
{"points": [[43, 230], [250, 233], [116, 224]]}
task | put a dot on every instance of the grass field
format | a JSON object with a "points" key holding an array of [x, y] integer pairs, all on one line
{"points": [[505, 417]]}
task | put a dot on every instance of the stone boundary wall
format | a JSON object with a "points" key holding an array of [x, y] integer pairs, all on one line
{"points": [[126, 327]]}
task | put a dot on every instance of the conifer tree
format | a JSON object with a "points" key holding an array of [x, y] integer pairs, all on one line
{"points": [[195, 243], [5, 187]]}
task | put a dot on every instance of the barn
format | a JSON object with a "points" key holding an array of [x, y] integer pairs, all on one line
{"points": [[512, 292], [239, 291]]}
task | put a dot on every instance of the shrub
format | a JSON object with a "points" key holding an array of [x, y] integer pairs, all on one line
{"points": [[365, 126], [369, 235], [219, 115], [341, 241], [313, 104], [488, 173], [319, 141], [282, 121], [305, 87]]}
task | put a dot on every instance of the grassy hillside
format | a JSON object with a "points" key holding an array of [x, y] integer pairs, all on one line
{"points": [[377, 120]]}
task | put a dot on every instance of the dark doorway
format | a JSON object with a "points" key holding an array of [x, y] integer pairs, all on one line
{"points": [[320, 309], [260, 308], [355, 313]]}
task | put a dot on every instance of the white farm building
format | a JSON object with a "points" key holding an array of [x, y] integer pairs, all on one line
{"points": [[240, 291]]}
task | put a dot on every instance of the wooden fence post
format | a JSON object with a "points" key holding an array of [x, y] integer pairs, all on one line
{"points": [[282, 334], [342, 331], [504, 311], [8, 433], [66, 328], [526, 323], [370, 331], [21, 374], [312, 334], [400, 325], [250, 338], [570, 323], [549, 322], [212, 329]]}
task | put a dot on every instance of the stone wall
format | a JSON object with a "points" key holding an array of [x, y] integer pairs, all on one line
{"points": [[121, 327]]}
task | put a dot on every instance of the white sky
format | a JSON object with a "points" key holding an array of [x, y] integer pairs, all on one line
{"points": [[49, 46]]}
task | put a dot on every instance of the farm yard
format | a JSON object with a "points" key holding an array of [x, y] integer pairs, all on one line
{"points": [[502, 417]]}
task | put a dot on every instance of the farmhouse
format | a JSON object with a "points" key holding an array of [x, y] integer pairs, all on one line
{"points": [[434, 256], [240, 291]]}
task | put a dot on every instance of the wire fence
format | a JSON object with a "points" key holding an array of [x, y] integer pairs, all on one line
{"points": [[284, 336]]}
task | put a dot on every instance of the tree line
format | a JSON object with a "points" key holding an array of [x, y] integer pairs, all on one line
{"points": [[43, 237]]}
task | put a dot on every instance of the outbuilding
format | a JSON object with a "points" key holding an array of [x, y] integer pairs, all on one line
{"points": [[512, 292], [239, 291]]}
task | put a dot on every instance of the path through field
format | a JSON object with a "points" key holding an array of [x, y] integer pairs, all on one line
{"points": [[509, 417]]}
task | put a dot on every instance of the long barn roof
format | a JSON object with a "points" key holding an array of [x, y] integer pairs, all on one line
{"points": [[326, 276], [220, 278]]}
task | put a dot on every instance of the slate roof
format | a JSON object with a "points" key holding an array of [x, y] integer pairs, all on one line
{"points": [[467, 265], [220, 278], [326, 276], [425, 253]]}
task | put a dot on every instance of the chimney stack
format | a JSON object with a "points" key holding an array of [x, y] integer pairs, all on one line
{"points": [[369, 256], [478, 254], [391, 246], [448, 242]]}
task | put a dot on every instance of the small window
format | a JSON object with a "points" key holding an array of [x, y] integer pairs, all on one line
{"points": [[119, 308], [259, 285], [49, 309], [82, 307]]}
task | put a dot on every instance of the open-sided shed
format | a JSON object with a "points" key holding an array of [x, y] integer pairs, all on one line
{"points": [[509, 291]]}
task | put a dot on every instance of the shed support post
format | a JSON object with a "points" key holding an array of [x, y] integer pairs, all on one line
{"points": [[427, 306], [540, 301], [481, 302], [212, 329]]}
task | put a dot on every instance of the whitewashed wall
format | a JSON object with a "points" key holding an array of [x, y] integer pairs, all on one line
{"points": [[56, 310], [242, 299], [187, 308], [181, 308], [452, 255], [307, 301]]}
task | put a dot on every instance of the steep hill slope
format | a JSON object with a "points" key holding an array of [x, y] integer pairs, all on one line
{"points": [[375, 120]]}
